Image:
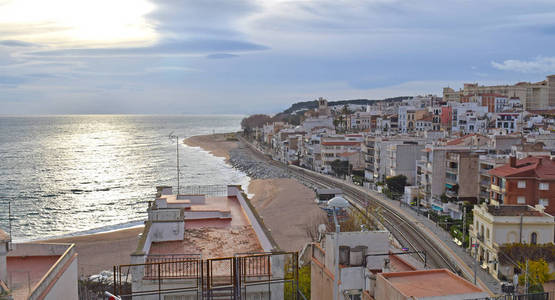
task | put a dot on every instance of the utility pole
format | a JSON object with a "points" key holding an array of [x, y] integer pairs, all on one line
{"points": [[171, 136], [475, 262], [526, 278], [464, 225]]}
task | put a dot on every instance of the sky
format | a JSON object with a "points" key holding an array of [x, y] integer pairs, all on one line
{"points": [[247, 56]]}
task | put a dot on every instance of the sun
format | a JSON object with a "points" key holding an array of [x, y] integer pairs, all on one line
{"points": [[62, 23]]}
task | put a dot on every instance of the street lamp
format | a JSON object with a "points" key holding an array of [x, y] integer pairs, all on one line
{"points": [[336, 203]]}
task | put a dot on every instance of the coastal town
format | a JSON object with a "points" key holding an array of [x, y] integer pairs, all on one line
{"points": [[425, 197]]}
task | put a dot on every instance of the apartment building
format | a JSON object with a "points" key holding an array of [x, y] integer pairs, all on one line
{"points": [[210, 242], [528, 181], [538, 95], [508, 121], [37, 270], [430, 170], [355, 267], [496, 225], [401, 159], [461, 174], [369, 270], [469, 117], [488, 162], [336, 147]]}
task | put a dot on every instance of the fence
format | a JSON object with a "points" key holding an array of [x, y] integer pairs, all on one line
{"points": [[236, 278], [208, 190], [530, 296]]}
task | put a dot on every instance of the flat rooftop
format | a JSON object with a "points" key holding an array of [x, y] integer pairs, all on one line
{"points": [[214, 237], [444, 283], [24, 272], [211, 242], [515, 211]]}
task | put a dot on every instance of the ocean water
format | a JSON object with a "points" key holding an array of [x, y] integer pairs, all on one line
{"points": [[86, 173]]}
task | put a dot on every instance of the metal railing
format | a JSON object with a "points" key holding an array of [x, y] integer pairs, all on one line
{"points": [[208, 190], [530, 296], [172, 266]]}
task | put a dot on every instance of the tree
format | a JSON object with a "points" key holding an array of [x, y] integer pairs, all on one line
{"points": [[254, 121], [340, 167], [538, 274], [396, 184]]}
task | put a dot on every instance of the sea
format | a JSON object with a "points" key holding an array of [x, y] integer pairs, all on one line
{"points": [[80, 174]]}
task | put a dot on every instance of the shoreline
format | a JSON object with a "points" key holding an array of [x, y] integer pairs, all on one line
{"points": [[101, 248]]}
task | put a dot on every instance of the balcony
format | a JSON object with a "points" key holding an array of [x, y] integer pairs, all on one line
{"points": [[451, 193], [451, 170], [484, 172], [451, 181], [497, 189], [485, 183]]}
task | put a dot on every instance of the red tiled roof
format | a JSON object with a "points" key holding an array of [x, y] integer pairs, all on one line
{"points": [[460, 140], [535, 166], [340, 143]]}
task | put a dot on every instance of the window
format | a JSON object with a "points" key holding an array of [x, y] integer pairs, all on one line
{"points": [[544, 186], [521, 184], [533, 238], [520, 200], [544, 202]]}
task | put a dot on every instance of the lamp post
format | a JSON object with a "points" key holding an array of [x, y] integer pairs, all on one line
{"points": [[336, 203]]}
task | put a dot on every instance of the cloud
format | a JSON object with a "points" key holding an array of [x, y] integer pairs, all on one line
{"points": [[16, 43], [11, 80], [539, 64], [182, 47], [221, 56]]}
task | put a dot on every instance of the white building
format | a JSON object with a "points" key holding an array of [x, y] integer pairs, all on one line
{"points": [[192, 241], [508, 121], [495, 226]]}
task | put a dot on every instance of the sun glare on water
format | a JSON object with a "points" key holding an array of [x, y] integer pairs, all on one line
{"points": [[77, 23]]}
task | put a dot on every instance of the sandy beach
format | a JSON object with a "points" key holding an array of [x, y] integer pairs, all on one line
{"points": [[214, 143], [287, 207], [101, 251]]}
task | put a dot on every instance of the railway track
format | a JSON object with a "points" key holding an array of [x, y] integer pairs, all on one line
{"points": [[407, 234]]}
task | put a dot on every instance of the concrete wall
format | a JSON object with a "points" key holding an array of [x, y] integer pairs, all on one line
{"points": [[38, 249], [263, 238], [376, 241], [321, 282], [164, 214], [406, 157], [214, 214], [3, 264], [66, 285], [62, 276], [438, 172], [161, 231]]}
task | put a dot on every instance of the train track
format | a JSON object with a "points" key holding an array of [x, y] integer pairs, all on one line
{"points": [[407, 234]]}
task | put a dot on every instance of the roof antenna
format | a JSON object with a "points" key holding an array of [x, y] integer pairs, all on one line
{"points": [[172, 136], [10, 224]]}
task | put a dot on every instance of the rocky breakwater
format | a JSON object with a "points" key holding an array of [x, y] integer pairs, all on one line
{"points": [[243, 159]]}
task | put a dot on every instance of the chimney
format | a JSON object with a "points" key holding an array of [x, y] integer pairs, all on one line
{"points": [[512, 162]]}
